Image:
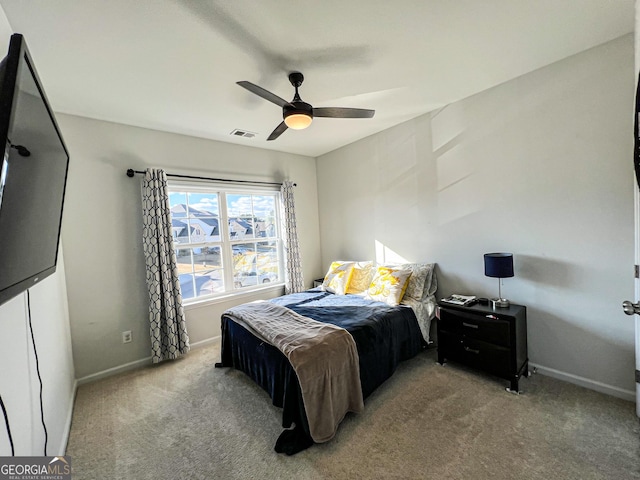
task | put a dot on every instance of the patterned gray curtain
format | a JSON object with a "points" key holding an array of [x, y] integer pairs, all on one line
{"points": [[168, 329], [293, 278]]}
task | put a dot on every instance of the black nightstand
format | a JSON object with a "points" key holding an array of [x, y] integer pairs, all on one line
{"points": [[318, 282], [491, 339]]}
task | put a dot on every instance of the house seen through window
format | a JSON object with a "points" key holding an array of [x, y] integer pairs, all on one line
{"points": [[225, 240]]}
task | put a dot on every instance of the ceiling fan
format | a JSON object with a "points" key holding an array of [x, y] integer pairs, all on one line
{"points": [[298, 114]]}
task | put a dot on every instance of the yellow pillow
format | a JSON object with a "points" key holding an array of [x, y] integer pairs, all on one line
{"points": [[338, 277], [361, 277], [388, 285]]}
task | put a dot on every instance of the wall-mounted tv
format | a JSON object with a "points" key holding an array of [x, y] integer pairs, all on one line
{"points": [[33, 175]]}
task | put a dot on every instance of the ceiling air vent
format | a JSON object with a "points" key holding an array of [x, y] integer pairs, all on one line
{"points": [[243, 133]]}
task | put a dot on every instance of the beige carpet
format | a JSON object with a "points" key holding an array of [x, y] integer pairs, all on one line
{"points": [[187, 420]]}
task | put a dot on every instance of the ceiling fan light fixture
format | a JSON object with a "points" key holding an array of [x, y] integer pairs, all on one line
{"points": [[297, 115], [297, 121]]}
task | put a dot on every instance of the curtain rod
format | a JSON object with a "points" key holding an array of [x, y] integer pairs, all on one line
{"points": [[131, 172]]}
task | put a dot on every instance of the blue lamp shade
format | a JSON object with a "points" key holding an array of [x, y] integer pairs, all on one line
{"points": [[498, 265]]}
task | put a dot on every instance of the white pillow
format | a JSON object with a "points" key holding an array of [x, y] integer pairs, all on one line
{"points": [[415, 287], [431, 282]]}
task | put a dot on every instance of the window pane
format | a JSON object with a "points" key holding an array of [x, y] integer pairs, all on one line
{"points": [[205, 229], [178, 204], [244, 264], [186, 286], [207, 266], [240, 211], [255, 264], [203, 214], [185, 272], [264, 211], [194, 217], [179, 225], [267, 263], [200, 271]]}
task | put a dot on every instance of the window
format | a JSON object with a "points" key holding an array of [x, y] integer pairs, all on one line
{"points": [[226, 240]]}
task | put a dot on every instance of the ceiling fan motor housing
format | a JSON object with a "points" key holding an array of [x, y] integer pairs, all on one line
{"points": [[297, 108]]}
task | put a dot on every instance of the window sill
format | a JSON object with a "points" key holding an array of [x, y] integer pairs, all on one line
{"points": [[239, 295]]}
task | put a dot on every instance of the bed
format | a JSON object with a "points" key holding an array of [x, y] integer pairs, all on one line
{"points": [[384, 335]]}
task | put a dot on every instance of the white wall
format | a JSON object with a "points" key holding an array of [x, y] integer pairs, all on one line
{"points": [[102, 230], [19, 385], [540, 166]]}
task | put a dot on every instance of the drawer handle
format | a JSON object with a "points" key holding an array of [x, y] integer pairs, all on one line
{"points": [[472, 350], [470, 325]]}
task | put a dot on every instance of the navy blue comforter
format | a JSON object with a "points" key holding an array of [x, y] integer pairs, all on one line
{"points": [[384, 337]]}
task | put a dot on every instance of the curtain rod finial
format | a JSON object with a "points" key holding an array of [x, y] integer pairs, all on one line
{"points": [[130, 172]]}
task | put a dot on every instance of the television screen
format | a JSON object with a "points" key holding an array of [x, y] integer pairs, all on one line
{"points": [[33, 175]]}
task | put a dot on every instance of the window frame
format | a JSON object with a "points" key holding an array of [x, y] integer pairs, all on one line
{"points": [[226, 242]]}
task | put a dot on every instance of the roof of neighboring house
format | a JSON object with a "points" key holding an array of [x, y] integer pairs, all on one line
{"points": [[179, 226], [208, 225], [180, 211]]}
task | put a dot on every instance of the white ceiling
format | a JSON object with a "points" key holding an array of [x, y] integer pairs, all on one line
{"points": [[172, 65]]}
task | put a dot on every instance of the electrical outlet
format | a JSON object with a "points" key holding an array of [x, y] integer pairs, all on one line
{"points": [[126, 336]]}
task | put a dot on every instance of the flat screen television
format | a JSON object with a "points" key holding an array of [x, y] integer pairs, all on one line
{"points": [[33, 175]]}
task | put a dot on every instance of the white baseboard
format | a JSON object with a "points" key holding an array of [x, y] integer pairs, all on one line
{"points": [[67, 426], [629, 395], [115, 370], [205, 342], [136, 364]]}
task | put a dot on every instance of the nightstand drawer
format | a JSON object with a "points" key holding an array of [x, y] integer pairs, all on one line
{"points": [[483, 355], [488, 328]]}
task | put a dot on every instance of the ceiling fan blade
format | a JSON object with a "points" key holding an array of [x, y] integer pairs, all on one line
{"points": [[339, 112], [279, 130], [261, 92]]}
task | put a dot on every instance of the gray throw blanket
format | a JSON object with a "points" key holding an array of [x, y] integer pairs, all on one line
{"points": [[323, 356]]}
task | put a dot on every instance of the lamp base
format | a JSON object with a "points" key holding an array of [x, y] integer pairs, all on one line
{"points": [[500, 303]]}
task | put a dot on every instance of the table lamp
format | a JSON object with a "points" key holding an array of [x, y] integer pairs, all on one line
{"points": [[498, 265]]}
